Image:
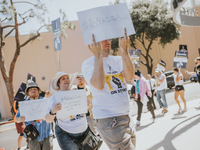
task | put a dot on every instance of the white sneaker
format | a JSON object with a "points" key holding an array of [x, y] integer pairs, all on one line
{"points": [[179, 110], [184, 110], [138, 123]]}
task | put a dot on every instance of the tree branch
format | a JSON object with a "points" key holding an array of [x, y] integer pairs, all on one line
{"points": [[9, 33], [30, 39], [143, 63], [25, 2]]}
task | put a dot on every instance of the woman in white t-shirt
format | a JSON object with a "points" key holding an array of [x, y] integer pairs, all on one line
{"points": [[179, 89], [76, 125]]}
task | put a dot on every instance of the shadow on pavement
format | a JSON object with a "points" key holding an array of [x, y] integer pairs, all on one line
{"points": [[142, 127], [167, 142], [160, 115], [170, 90], [197, 108]]}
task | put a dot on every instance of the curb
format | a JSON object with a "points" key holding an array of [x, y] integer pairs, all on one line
{"points": [[6, 122]]}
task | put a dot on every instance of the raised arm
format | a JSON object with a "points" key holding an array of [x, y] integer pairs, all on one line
{"points": [[190, 73], [49, 118], [128, 68], [98, 76]]}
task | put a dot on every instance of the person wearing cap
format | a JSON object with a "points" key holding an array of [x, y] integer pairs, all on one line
{"points": [[196, 69], [82, 85], [161, 85], [45, 140], [75, 125], [106, 77], [142, 96]]}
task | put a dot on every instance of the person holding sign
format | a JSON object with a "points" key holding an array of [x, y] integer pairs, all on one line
{"points": [[161, 85], [106, 77], [143, 96], [197, 69], [75, 126], [179, 89], [44, 141]]}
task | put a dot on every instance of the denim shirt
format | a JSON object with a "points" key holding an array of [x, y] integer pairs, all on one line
{"points": [[43, 127]]}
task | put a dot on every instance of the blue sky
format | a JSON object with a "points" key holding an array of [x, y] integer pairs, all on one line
{"points": [[71, 7]]}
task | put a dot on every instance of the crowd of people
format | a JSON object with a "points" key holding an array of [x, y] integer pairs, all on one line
{"points": [[108, 101]]}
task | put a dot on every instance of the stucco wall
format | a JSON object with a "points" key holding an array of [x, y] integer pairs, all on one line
{"points": [[39, 61]]}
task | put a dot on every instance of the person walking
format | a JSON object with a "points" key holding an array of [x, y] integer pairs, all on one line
{"points": [[44, 140], [19, 126], [67, 128], [151, 85], [106, 76], [161, 85], [179, 89], [197, 69], [82, 85], [143, 96]]}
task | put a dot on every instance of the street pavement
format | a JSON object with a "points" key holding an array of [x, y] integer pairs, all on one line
{"points": [[171, 131]]}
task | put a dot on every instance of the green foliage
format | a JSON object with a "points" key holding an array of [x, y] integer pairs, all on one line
{"points": [[153, 21]]}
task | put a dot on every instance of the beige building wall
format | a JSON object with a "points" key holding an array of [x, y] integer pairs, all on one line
{"points": [[41, 62]]}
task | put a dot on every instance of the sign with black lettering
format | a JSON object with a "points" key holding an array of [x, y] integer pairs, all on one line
{"points": [[180, 59]]}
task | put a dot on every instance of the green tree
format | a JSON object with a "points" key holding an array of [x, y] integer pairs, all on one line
{"points": [[35, 9], [153, 21]]}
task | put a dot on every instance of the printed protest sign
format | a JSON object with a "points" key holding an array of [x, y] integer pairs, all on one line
{"points": [[57, 34], [105, 22], [180, 59], [30, 78], [135, 55], [161, 65], [183, 48], [73, 102], [20, 95], [33, 109]]}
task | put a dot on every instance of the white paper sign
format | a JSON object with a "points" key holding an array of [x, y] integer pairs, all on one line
{"points": [[73, 102], [33, 109], [105, 22]]}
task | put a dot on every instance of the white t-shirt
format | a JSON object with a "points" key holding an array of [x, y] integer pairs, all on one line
{"points": [[151, 84], [71, 124], [180, 82], [163, 85], [113, 99]]}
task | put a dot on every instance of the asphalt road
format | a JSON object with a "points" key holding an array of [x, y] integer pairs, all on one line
{"points": [[9, 136]]}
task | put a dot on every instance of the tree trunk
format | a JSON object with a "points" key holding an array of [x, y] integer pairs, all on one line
{"points": [[10, 91]]}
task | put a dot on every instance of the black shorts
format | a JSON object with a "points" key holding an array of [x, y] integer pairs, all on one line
{"points": [[179, 88]]}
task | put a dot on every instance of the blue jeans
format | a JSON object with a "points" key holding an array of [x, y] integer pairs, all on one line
{"points": [[161, 94], [64, 140]]}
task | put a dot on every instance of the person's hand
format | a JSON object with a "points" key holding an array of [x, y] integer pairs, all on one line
{"points": [[154, 93], [56, 108], [142, 100], [186, 71], [95, 48], [124, 42], [21, 119], [135, 99]]}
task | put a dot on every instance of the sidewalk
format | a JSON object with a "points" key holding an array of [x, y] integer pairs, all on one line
{"points": [[171, 131]]}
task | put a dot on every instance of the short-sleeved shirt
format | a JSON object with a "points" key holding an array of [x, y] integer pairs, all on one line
{"points": [[113, 99], [163, 85], [71, 124], [42, 126]]}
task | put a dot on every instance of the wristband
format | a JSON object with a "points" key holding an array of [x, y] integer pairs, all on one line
{"points": [[51, 113]]}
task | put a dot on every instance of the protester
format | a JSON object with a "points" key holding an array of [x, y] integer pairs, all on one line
{"points": [[45, 140], [83, 85], [179, 89], [197, 69], [74, 126], [19, 126], [151, 85], [161, 85], [143, 96], [106, 76]]}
